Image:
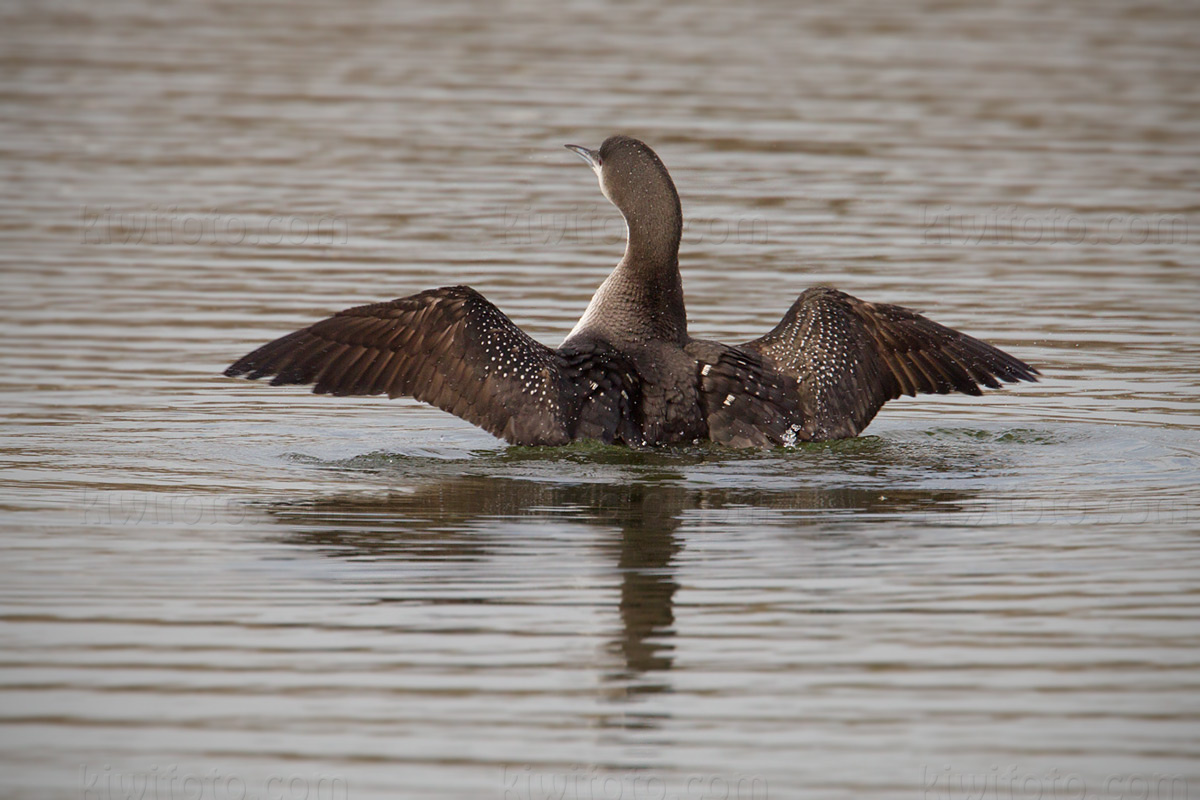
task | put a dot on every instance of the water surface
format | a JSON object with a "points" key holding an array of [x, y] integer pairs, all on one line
{"points": [[251, 586]]}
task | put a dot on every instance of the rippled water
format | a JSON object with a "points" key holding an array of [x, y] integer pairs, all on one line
{"points": [[210, 585]]}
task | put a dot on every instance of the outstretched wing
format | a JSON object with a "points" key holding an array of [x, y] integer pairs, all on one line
{"points": [[851, 357], [450, 347]]}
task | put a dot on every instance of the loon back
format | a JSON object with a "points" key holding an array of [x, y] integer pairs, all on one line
{"points": [[628, 372]]}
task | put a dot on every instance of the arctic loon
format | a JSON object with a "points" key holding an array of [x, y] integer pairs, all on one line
{"points": [[629, 373]]}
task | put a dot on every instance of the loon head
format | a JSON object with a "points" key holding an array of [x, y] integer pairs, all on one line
{"points": [[635, 180]]}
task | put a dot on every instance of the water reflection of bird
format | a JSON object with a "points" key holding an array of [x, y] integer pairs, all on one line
{"points": [[628, 372], [448, 517]]}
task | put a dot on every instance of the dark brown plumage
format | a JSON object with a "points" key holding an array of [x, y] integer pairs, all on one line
{"points": [[852, 356], [628, 372]]}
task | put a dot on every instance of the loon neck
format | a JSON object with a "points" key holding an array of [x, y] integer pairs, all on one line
{"points": [[646, 283], [633, 309], [654, 231], [641, 302]]}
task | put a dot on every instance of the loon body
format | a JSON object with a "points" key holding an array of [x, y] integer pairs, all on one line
{"points": [[628, 372]]}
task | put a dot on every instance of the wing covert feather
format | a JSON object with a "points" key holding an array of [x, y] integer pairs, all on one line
{"points": [[851, 357], [449, 347]]}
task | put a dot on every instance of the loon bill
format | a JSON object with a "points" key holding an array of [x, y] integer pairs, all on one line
{"points": [[628, 372]]}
